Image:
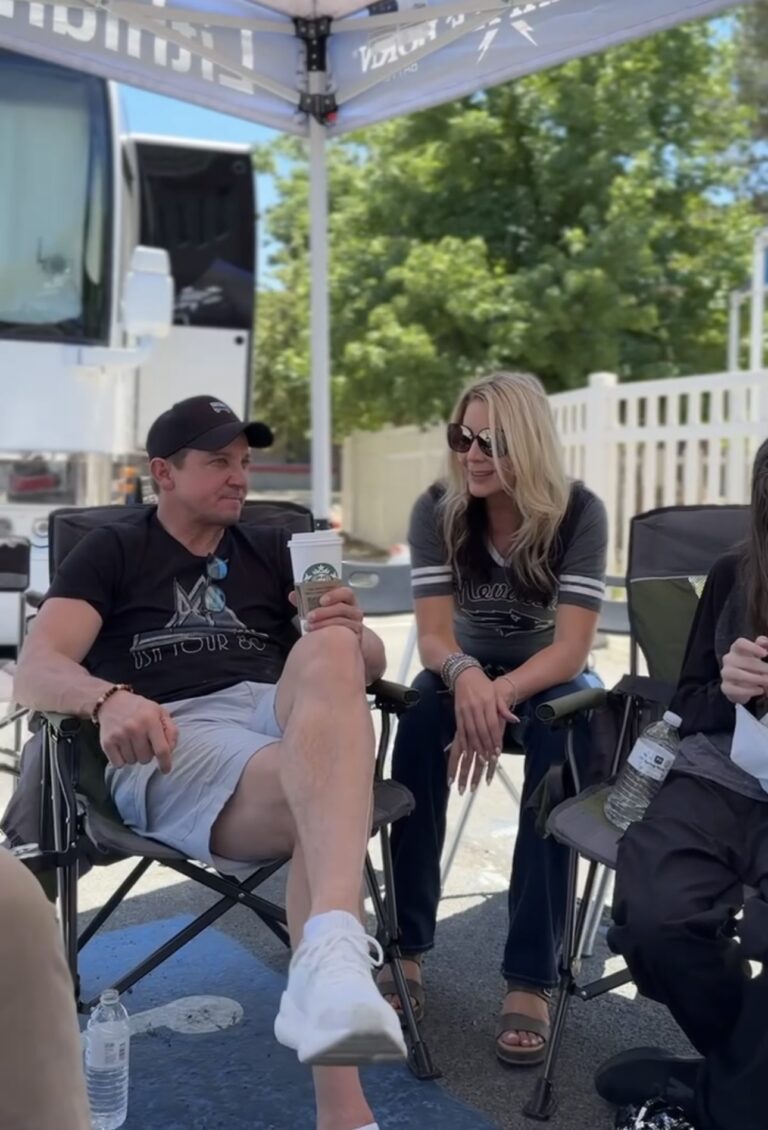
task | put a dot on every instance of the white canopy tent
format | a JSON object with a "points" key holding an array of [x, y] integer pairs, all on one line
{"points": [[320, 68]]}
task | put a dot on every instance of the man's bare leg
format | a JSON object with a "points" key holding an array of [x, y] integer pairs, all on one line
{"points": [[327, 764], [331, 1011], [255, 824], [328, 768], [341, 1103], [314, 787]]}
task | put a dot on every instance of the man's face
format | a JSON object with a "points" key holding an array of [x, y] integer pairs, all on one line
{"points": [[210, 485]]}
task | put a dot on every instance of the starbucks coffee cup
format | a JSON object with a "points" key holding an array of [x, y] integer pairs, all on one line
{"points": [[316, 564]]}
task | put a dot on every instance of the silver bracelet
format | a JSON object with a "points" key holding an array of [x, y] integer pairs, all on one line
{"points": [[456, 664]]}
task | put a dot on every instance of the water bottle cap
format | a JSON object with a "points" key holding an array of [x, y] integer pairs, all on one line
{"points": [[673, 719], [109, 996]]}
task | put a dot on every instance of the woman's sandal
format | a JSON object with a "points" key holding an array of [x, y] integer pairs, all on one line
{"points": [[388, 988], [519, 1055]]}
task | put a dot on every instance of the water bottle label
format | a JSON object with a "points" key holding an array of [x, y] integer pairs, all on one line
{"points": [[106, 1051], [650, 760]]}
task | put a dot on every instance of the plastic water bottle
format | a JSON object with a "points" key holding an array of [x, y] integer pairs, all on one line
{"points": [[107, 1051], [644, 771]]}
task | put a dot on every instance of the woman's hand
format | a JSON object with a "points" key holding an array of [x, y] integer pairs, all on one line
{"points": [[482, 713], [744, 674]]}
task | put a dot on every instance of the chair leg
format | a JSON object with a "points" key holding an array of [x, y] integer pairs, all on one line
{"points": [[410, 648], [602, 896], [453, 846], [63, 832], [508, 783], [112, 903], [542, 1103], [419, 1057]]}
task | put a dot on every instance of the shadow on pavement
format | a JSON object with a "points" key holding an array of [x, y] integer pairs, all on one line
{"points": [[464, 993]]}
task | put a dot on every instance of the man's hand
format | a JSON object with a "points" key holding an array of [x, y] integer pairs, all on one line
{"points": [[338, 609], [135, 729], [744, 674]]}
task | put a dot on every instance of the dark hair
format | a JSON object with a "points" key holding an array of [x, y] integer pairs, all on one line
{"points": [[756, 552]]}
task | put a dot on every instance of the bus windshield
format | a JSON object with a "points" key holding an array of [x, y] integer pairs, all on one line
{"points": [[54, 202]]}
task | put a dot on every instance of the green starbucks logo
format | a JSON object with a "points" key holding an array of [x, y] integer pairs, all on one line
{"points": [[320, 571]]}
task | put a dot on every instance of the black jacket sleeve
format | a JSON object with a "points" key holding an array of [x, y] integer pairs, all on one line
{"points": [[699, 700]]}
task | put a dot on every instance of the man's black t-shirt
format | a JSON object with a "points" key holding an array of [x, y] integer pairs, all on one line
{"points": [[150, 592]]}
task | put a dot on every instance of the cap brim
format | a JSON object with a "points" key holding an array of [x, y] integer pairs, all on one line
{"points": [[257, 434]]}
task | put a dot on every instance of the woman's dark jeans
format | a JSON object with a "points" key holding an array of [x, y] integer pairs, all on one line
{"points": [[539, 883]]}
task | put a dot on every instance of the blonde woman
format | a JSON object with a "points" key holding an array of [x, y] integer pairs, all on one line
{"points": [[508, 575]]}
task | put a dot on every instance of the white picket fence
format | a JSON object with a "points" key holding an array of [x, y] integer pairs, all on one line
{"points": [[638, 445], [678, 441]]}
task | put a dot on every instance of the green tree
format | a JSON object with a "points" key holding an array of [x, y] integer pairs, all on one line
{"points": [[591, 217], [752, 61]]}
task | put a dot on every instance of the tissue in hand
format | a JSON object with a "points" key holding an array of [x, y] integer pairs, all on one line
{"points": [[749, 749]]}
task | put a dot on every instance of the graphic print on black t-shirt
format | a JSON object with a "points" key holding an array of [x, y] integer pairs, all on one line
{"points": [[193, 628], [157, 633]]}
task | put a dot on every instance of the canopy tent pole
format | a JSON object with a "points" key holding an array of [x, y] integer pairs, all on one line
{"points": [[757, 325], [319, 320]]}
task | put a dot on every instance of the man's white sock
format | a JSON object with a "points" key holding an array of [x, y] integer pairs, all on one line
{"points": [[320, 924], [369, 1126]]}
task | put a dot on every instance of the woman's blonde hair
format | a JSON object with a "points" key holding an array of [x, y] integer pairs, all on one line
{"points": [[532, 474]]}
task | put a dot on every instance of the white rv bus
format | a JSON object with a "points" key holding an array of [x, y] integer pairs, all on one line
{"points": [[127, 269]]}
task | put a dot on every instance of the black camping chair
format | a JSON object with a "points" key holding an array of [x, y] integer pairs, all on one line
{"points": [[15, 564], [61, 820], [671, 551]]}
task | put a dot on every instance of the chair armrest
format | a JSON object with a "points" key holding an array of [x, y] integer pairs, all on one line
{"points": [[560, 710], [650, 690], [33, 598], [393, 697], [63, 725]]}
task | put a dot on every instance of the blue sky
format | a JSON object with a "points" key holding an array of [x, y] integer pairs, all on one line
{"points": [[150, 113]]}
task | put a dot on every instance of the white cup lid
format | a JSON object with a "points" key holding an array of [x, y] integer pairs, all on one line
{"points": [[315, 537]]}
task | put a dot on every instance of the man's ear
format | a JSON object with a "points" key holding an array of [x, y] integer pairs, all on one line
{"points": [[161, 472]]}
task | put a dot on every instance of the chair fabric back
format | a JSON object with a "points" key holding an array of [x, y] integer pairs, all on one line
{"points": [[68, 525], [671, 551]]}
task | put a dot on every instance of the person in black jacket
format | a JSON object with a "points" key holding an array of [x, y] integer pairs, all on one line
{"points": [[682, 871]]}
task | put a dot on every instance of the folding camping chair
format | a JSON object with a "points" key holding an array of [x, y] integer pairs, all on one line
{"points": [[15, 557], [671, 551], [61, 818]]}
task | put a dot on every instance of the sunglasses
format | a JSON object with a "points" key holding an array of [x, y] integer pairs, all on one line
{"points": [[214, 598], [461, 438]]}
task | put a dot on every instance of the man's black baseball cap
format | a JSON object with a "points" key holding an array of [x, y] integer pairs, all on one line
{"points": [[204, 424]]}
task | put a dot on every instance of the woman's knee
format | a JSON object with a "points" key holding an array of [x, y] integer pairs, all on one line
{"points": [[560, 690], [656, 919]]}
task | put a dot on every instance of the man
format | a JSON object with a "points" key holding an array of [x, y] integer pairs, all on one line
{"points": [[226, 737]]}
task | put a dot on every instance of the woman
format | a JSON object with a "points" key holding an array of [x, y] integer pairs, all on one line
{"points": [[682, 869], [508, 574]]}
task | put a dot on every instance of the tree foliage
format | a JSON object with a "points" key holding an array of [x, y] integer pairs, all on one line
{"points": [[590, 217]]}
